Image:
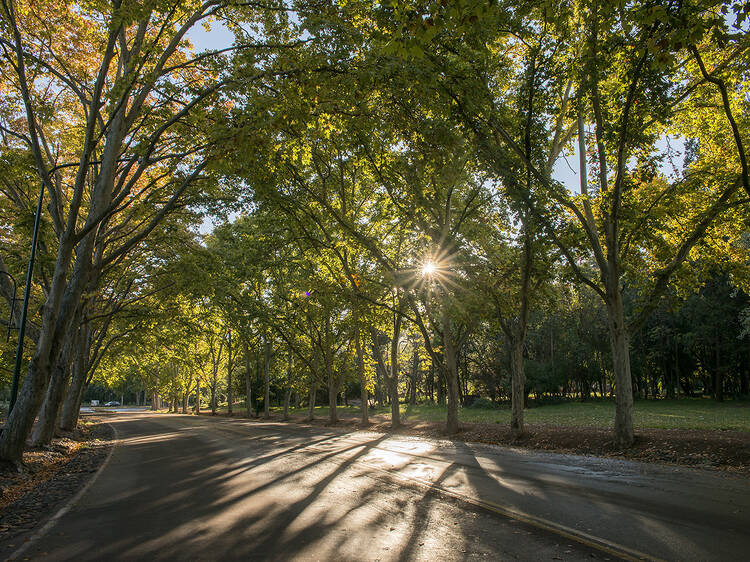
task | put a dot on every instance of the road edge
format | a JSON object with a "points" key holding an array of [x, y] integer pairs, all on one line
{"points": [[52, 521]]}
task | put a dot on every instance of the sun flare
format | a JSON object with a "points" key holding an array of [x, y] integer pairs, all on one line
{"points": [[428, 269]]}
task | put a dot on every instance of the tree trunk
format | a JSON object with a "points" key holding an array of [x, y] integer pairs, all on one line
{"points": [[414, 373], [58, 315], [517, 385], [44, 430], [719, 378], [451, 376], [361, 374], [379, 368], [287, 399], [440, 388], [248, 382], [333, 394], [19, 423], [197, 397], [72, 405], [430, 383], [267, 380], [230, 397], [719, 386], [676, 379], [311, 405], [288, 390], [20, 420], [620, 342], [213, 399], [462, 383], [392, 379]]}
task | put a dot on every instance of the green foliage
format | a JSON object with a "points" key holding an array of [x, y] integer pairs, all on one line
{"points": [[483, 404], [342, 149]]}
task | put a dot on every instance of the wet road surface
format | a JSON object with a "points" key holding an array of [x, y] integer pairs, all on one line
{"points": [[198, 488]]}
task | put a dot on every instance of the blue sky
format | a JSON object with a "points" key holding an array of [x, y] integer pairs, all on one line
{"points": [[219, 37]]}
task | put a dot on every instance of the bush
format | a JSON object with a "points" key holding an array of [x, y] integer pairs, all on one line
{"points": [[483, 404]]}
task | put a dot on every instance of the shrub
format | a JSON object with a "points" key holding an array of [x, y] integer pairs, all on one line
{"points": [[484, 404]]}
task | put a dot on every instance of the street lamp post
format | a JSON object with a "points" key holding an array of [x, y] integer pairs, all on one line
{"points": [[25, 308]]}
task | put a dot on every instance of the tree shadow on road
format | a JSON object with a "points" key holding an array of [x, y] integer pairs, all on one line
{"points": [[226, 492]]}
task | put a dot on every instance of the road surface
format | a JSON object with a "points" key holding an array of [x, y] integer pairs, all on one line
{"points": [[199, 488]]}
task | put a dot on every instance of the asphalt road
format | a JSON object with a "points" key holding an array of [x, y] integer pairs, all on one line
{"points": [[198, 488]]}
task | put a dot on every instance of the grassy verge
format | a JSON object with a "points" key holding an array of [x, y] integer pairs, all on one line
{"points": [[691, 413], [659, 414]]}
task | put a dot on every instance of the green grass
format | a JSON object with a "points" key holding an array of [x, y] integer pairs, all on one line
{"points": [[694, 413], [688, 413], [666, 414], [323, 411]]}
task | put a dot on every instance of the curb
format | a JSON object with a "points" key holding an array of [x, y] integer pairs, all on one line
{"points": [[52, 521]]}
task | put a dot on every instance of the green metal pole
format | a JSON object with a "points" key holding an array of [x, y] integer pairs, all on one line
{"points": [[24, 310]]}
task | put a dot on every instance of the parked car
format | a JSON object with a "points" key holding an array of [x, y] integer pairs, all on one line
{"points": [[112, 403]]}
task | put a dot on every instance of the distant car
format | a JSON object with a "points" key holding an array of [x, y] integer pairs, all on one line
{"points": [[113, 403]]}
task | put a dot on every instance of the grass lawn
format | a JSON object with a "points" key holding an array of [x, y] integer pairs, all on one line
{"points": [[694, 413], [687, 413]]}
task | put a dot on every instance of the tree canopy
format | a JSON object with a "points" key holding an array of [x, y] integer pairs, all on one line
{"points": [[391, 215]]}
